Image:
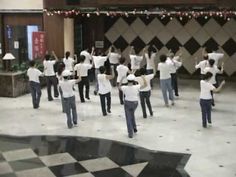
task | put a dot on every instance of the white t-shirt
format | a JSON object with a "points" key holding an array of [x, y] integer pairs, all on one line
{"points": [[215, 56], [206, 88], [202, 65], [174, 64], [68, 63], [150, 60], [214, 70], [48, 67], [82, 69], [131, 92], [114, 58], [148, 78], [135, 61], [164, 69], [67, 88], [104, 85], [87, 55], [33, 74], [99, 61], [122, 71]]}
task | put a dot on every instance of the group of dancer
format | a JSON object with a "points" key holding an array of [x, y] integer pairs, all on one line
{"points": [[130, 76]]}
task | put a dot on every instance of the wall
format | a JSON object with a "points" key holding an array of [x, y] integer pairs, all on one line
{"points": [[21, 4], [69, 35], [192, 34]]}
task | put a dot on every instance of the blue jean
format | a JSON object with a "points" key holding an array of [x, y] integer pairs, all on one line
{"points": [[206, 111], [145, 100], [166, 87], [96, 79], [70, 107], [130, 107], [36, 93], [62, 100]]}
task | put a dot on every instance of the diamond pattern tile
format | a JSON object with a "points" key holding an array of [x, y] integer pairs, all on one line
{"points": [[185, 53], [220, 21], [230, 47], [192, 46], [129, 35], [221, 37], [135, 170], [174, 26], [164, 36], [138, 44], [129, 20], [107, 44], [19, 154], [82, 175], [146, 20], [182, 36], [173, 44], [120, 43], [155, 41], [112, 34], [109, 22], [146, 35], [229, 27], [202, 20], [184, 20], [229, 67], [116, 172], [201, 36], [211, 27], [138, 26], [39, 172], [155, 26], [211, 45], [189, 65], [26, 164], [192, 26], [164, 21], [5, 168], [121, 26]]}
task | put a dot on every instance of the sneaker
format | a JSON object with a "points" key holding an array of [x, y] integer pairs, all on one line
{"points": [[135, 130], [109, 111], [87, 98], [105, 114], [172, 103], [95, 92], [130, 136]]}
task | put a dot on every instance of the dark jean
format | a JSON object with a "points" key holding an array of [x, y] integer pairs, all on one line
{"points": [[36, 93], [84, 82], [130, 107], [206, 111], [103, 99], [113, 81], [70, 107], [174, 83], [121, 95], [62, 100], [145, 100], [52, 81]]}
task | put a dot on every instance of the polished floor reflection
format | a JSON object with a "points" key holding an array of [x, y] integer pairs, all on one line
{"points": [[55, 156]]}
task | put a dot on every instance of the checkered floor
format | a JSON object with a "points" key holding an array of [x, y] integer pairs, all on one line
{"points": [[52, 156]]}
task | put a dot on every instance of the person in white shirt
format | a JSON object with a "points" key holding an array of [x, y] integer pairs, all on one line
{"points": [[104, 90], [66, 86], [122, 72], [50, 76], [82, 72], [145, 92], [213, 55], [98, 61], [69, 62], [165, 80], [135, 60], [202, 65], [151, 56], [175, 64], [214, 70], [131, 92], [34, 83], [114, 56], [206, 99], [88, 60], [61, 68]]}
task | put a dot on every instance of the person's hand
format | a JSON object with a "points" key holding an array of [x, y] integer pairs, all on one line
{"points": [[223, 82], [222, 65]]}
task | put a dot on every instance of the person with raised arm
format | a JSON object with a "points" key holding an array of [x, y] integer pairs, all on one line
{"points": [[135, 59]]}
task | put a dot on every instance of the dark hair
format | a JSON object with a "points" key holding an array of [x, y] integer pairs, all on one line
{"points": [[151, 50], [67, 54], [112, 49], [81, 58], [102, 69], [205, 57], [207, 76], [211, 62], [142, 71], [122, 60], [47, 57], [32, 63], [66, 77], [163, 58], [61, 67]]}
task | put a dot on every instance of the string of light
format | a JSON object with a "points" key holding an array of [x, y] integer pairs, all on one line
{"points": [[225, 14]]}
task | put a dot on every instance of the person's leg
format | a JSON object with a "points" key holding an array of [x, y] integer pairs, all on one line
{"points": [[208, 110], [203, 110], [68, 112], [38, 94], [128, 116], [49, 84], [133, 121], [147, 96], [33, 93], [108, 97], [174, 83], [150, 71], [62, 100], [103, 104], [164, 90], [86, 82], [74, 111], [121, 96], [142, 101], [81, 90], [96, 81], [170, 90], [55, 82]]}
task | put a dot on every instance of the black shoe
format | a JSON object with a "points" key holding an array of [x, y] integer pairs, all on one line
{"points": [[50, 99], [176, 94], [144, 117], [95, 92], [204, 126], [56, 96], [87, 98], [151, 114], [83, 101], [109, 111], [130, 136], [105, 114], [135, 130], [122, 103]]}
